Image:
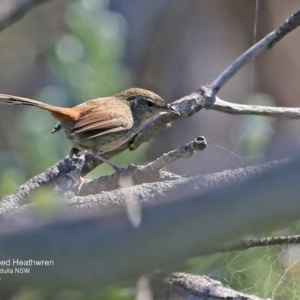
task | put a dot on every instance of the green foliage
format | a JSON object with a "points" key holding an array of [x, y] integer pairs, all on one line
{"points": [[254, 132], [268, 271], [9, 180], [87, 59]]}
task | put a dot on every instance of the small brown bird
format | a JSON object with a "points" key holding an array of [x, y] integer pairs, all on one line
{"points": [[103, 124]]}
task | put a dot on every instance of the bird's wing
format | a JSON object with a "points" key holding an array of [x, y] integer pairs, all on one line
{"points": [[103, 118]]}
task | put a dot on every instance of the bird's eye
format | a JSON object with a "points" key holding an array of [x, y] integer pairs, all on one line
{"points": [[149, 103]]}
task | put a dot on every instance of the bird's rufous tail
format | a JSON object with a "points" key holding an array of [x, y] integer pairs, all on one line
{"points": [[59, 113]]}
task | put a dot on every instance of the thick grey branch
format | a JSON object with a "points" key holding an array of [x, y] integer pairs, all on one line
{"points": [[148, 192], [99, 248]]}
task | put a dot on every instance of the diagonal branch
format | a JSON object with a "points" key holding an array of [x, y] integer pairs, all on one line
{"points": [[139, 174], [259, 242], [50, 176], [18, 12], [266, 43]]}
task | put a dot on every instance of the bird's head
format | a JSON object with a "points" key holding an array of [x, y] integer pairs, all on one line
{"points": [[145, 104]]}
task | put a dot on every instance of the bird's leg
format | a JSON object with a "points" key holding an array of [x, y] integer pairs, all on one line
{"points": [[116, 168]]}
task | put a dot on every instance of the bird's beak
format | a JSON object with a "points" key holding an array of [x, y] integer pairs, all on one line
{"points": [[170, 109]]}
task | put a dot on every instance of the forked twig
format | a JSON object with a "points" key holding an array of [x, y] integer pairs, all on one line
{"points": [[205, 96], [144, 173]]}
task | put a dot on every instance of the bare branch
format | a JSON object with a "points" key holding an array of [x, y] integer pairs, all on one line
{"points": [[266, 43], [268, 111], [189, 105], [205, 97], [143, 173], [18, 12], [244, 109], [261, 242], [185, 151]]}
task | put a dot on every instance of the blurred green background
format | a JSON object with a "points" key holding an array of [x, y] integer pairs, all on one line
{"points": [[67, 51]]}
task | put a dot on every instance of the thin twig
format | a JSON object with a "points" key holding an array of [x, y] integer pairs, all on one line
{"points": [[18, 12], [244, 109], [185, 151], [260, 242]]}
